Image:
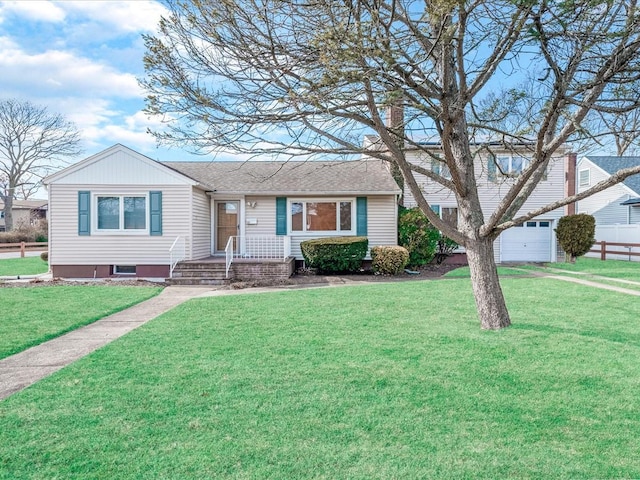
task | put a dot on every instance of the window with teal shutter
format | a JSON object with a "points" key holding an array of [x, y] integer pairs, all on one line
{"points": [[155, 213], [436, 209], [84, 213], [281, 215], [361, 216]]}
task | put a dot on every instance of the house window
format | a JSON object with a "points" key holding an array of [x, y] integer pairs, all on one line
{"points": [[124, 269], [121, 213], [322, 216], [584, 178]]}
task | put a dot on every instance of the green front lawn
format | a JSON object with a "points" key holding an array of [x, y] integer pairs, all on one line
{"points": [[29, 316], [378, 381], [502, 271], [22, 266], [607, 268]]}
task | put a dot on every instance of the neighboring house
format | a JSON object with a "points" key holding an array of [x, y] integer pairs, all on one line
{"points": [[25, 212], [120, 212], [535, 240], [619, 204]]}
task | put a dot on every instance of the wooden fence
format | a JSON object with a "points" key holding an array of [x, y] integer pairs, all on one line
{"points": [[604, 249], [22, 247]]}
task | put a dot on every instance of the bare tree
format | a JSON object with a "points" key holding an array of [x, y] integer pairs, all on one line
{"points": [[613, 123], [304, 78], [33, 142]]}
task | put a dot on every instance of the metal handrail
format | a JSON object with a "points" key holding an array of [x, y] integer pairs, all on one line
{"points": [[228, 251], [257, 247], [177, 253]]}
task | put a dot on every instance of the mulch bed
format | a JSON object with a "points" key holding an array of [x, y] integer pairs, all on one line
{"points": [[303, 277]]}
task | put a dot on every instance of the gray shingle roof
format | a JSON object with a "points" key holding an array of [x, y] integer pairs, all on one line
{"points": [[612, 164], [293, 177]]}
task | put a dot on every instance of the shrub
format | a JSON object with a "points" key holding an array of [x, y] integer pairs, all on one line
{"points": [[45, 256], [335, 254], [26, 233], [417, 235], [576, 234], [389, 260]]}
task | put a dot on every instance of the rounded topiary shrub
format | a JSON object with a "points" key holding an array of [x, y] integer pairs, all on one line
{"points": [[576, 234], [45, 256], [417, 235], [335, 254], [389, 260]]}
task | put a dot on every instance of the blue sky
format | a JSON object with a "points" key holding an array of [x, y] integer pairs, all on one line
{"points": [[82, 59]]}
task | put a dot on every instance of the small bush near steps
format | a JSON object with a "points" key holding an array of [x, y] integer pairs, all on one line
{"points": [[389, 260]]}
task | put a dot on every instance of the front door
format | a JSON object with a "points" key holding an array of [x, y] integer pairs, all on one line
{"points": [[227, 223]]}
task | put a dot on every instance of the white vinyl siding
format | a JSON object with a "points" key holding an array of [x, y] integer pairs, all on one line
{"points": [[605, 205], [491, 193], [66, 247], [201, 224], [263, 213]]}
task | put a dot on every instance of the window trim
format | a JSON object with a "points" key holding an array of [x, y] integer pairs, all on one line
{"points": [[121, 230], [337, 201]]}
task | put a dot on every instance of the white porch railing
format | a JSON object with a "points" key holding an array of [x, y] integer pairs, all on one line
{"points": [[177, 253], [257, 247]]}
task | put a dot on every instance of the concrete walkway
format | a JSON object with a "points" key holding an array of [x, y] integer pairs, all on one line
{"points": [[27, 367]]}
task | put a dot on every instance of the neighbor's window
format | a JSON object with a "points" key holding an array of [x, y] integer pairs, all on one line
{"points": [[321, 216], [121, 213], [450, 214], [512, 165], [584, 177]]}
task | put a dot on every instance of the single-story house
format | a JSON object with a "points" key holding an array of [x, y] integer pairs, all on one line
{"points": [[121, 213], [25, 212], [619, 204]]}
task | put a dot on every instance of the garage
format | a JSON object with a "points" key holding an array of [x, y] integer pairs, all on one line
{"points": [[529, 242]]}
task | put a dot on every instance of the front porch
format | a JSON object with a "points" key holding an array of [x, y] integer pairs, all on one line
{"points": [[246, 258], [213, 270]]}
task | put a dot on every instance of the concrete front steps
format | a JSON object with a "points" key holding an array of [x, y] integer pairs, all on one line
{"points": [[211, 271]]}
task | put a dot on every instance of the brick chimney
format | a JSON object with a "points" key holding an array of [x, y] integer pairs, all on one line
{"points": [[394, 121], [570, 181]]}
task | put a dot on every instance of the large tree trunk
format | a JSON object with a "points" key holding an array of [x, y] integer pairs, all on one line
{"points": [[8, 210], [490, 303]]}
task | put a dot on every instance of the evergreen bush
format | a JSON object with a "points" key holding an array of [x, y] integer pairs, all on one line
{"points": [[417, 235], [389, 260], [335, 254], [576, 234]]}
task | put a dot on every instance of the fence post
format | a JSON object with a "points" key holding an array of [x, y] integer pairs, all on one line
{"points": [[603, 250], [22, 247]]}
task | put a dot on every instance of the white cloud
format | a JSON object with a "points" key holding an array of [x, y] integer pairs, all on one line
{"points": [[123, 16], [38, 10], [56, 72]]}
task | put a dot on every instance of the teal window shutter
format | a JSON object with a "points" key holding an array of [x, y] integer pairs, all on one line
{"points": [[155, 213], [281, 215], [436, 209], [84, 213], [361, 216]]}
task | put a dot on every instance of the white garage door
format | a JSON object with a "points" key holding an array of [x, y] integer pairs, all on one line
{"points": [[530, 242]]}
